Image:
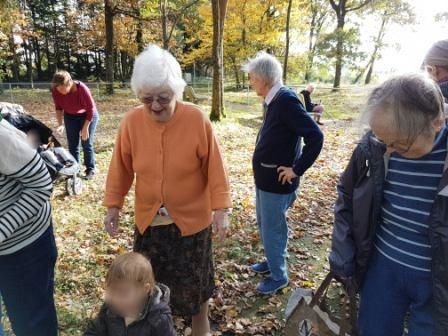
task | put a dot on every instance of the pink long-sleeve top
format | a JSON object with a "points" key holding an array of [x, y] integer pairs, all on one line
{"points": [[75, 103]]}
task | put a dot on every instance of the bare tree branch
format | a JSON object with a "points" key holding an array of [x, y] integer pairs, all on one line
{"points": [[177, 17], [361, 5]]}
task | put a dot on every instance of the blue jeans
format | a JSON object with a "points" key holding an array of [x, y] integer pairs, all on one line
{"points": [[73, 127], [27, 286], [273, 227], [389, 292]]}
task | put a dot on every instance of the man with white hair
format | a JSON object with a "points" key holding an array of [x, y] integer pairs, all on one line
{"points": [[315, 109], [278, 163]]}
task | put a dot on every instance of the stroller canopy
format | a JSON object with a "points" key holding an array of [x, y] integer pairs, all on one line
{"points": [[16, 116]]}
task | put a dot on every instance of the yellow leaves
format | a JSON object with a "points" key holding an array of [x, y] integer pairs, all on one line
{"points": [[307, 284], [247, 203], [232, 312], [121, 250], [247, 29], [86, 251]]}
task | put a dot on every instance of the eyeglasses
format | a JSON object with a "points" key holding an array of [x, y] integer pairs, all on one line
{"points": [[396, 146], [162, 100]]}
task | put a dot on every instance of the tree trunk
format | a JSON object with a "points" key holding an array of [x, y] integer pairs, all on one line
{"points": [[109, 22], [56, 37], [236, 71], [98, 64], [50, 66], [309, 65], [378, 42], [318, 19], [288, 22], [139, 36], [36, 47], [339, 51], [28, 61], [219, 8], [369, 73], [164, 18], [341, 9], [15, 59]]}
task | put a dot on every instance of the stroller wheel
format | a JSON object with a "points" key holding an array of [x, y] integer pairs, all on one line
{"points": [[77, 185], [73, 185]]}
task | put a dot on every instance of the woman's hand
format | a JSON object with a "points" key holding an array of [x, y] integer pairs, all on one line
{"points": [[220, 223], [286, 174], [112, 221], [85, 134], [60, 130]]}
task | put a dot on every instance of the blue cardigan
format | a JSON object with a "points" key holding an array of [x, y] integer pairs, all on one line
{"points": [[279, 143]]}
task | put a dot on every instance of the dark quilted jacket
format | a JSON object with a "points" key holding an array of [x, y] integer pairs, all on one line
{"points": [[155, 320], [358, 211]]}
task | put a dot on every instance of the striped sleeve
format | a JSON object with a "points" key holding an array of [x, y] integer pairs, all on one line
{"points": [[36, 190]]}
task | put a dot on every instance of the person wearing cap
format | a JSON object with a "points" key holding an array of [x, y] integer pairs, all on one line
{"points": [[436, 65]]}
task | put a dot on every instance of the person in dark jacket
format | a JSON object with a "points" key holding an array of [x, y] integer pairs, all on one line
{"points": [[278, 163], [390, 237], [436, 65], [315, 109], [135, 304]]}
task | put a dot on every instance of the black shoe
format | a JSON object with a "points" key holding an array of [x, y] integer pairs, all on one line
{"points": [[90, 174]]}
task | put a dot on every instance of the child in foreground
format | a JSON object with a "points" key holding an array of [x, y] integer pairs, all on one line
{"points": [[135, 305]]}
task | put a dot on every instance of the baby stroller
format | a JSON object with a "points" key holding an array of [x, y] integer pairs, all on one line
{"points": [[60, 163]]}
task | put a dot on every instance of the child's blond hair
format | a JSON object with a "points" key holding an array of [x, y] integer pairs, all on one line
{"points": [[133, 267]]}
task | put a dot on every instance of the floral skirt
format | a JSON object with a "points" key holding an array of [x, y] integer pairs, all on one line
{"points": [[184, 264]]}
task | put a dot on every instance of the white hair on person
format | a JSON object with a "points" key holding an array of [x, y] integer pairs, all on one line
{"points": [[266, 66], [156, 68]]}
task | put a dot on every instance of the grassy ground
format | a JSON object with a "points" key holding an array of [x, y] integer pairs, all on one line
{"points": [[85, 251]]}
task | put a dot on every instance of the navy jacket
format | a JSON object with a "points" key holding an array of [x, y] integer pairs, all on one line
{"points": [[309, 106], [279, 143]]}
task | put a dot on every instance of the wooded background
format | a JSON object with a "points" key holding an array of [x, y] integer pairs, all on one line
{"points": [[98, 39]]}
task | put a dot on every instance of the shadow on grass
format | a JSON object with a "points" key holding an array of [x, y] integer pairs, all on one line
{"points": [[250, 122]]}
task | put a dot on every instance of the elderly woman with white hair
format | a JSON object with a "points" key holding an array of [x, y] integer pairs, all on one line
{"points": [[181, 184], [278, 163]]}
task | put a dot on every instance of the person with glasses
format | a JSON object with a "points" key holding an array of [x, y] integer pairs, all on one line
{"points": [[182, 191], [436, 65], [76, 112], [390, 236]]}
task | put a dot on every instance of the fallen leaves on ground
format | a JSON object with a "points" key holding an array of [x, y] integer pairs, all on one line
{"points": [[85, 250]]}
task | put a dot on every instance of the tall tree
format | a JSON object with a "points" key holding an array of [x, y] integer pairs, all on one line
{"points": [[342, 8], [287, 43], [219, 8], [387, 12], [109, 25], [317, 14], [250, 26]]}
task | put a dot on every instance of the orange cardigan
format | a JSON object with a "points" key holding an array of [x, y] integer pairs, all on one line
{"points": [[177, 164]]}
